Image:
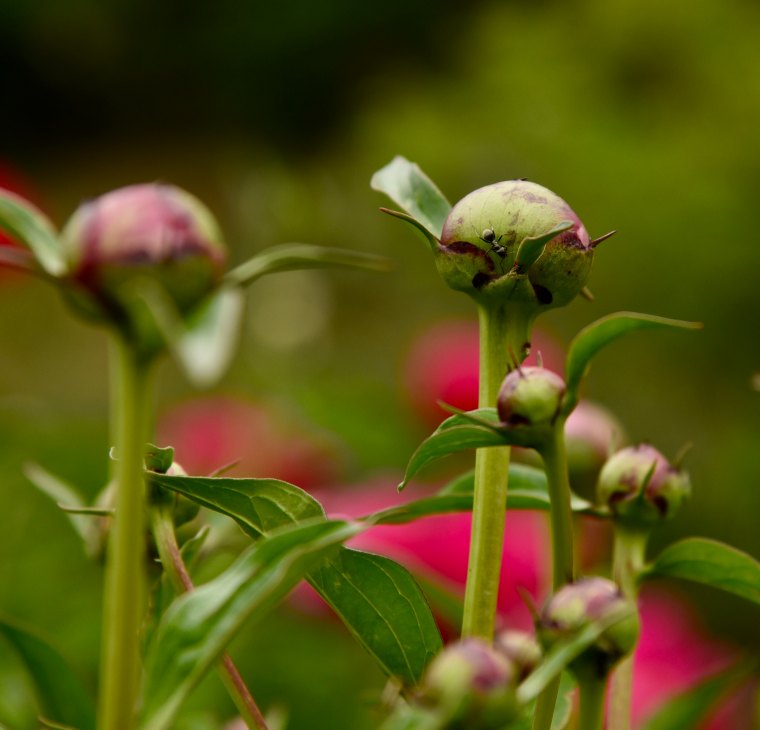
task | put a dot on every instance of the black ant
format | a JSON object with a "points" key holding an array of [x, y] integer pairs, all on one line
{"points": [[489, 236]]}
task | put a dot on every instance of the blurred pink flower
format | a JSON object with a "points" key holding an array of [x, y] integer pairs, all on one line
{"points": [[442, 364], [211, 432]]}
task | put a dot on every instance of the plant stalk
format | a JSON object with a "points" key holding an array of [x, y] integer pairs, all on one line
{"points": [[503, 335], [628, 557], [554, 455], [124, 589], [171, 559], [591, 690]]}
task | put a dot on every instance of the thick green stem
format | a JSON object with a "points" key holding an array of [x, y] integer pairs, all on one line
{"points": [[124, 590], [591, 716], [172, 562], [503, 335], [554, 455], [628, 557]]}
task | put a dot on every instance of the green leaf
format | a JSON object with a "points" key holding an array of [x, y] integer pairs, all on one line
{"points": [[383, 607], [32, 228], [591, 339], [565, 651], [689, 708], [295, 256], [62, 696], [429, 237], [711, 563], [158, 458], [349, 583], [563, 708], [198, 626], [407, 186]]}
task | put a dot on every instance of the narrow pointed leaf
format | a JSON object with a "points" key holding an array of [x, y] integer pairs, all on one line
{"points": [[62, 697], [31, 227], [431, 239], [399, 634], [411, 189], [295, 256], [711, 563], [62, 493], [531, 248], [591, 339], [18, 258], [690, 708], [198, 626]]}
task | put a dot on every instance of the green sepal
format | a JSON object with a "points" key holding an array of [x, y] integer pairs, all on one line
{"points": [[531, 248], [431, 239], [411, 189]]}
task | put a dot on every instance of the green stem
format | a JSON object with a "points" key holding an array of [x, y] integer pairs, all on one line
{"points": [[503, 334], [554, 455], [171, 560], [124, 590], [628, 556], [591, 689]]}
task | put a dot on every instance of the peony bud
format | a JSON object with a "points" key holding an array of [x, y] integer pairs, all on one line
{"points": [[142, 232], [530, 397], [581, 604], [472, 684], [482, 235], [521, 648], [641, 487]]}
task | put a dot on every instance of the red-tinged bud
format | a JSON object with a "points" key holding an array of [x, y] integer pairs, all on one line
{"points": [[521, 648], [583, 603], [641, 487], [481, 248], [144, 232], [472, 684], [530, 397]]}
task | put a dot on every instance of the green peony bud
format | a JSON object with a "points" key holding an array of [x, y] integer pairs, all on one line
{"points": [[641, 487], [490, 246], [150, 232], [520, 648], [472, 685], [530, 398], [585, 602]]}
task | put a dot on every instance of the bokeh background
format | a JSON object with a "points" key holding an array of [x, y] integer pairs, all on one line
{"points": [[644, 115]]}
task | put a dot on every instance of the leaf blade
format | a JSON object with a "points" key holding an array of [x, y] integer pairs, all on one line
{"points": [[710, 563], [407, 186]]}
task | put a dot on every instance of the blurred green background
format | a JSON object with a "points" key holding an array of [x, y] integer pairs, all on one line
{"points": [[644, 115]]}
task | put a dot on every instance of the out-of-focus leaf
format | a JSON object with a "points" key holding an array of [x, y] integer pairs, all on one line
{"points": [[591, 339], [64, 495], [400, 635], [62, 696], [711, 563], [564, 651], [158, 458], [198, 626], [407, 186], [563, 708], [295, 256], [32, 228], [383, 607], [689, 708]]}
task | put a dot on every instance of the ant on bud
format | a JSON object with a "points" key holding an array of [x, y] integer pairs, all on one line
{"points": [[489, 236]]}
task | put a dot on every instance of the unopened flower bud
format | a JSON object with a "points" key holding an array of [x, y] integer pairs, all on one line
{"points": [[481, 237], [641, 487], [472, 684], [142, 232], [530, 397], [521, 648], [585, 602]]}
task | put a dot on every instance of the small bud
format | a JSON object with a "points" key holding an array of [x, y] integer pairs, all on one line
{"points": [[482, 234], [530, 397], [152, 231], [641, 487], [472, 684], [521, 648], [585, 602]]}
